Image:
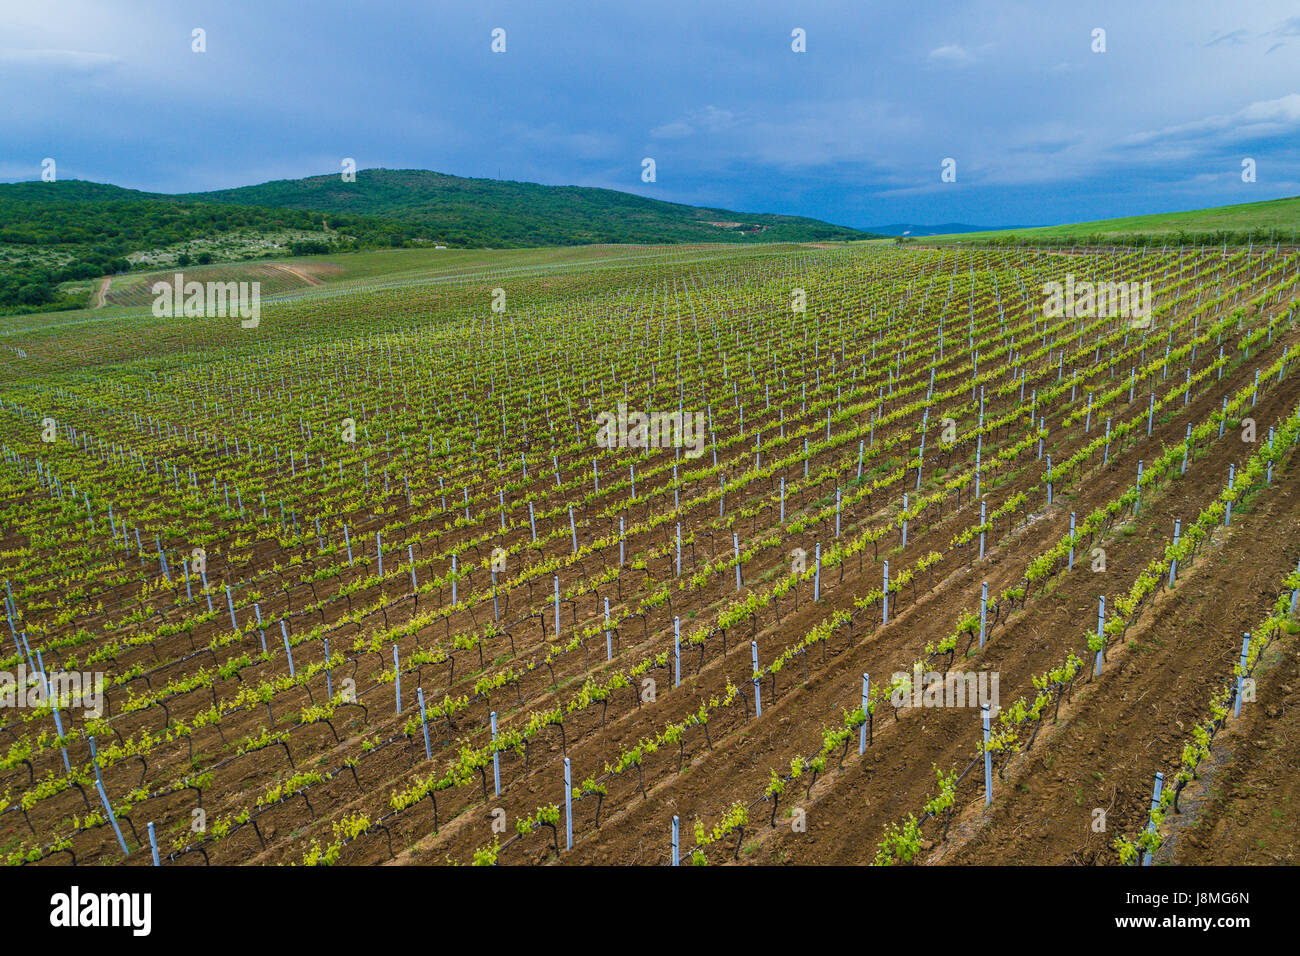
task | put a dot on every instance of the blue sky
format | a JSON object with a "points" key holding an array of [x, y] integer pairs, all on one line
{"points": [[853, 130]]}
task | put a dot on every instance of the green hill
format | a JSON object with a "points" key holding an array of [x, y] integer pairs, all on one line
{"points": [[501, 214], [64, 232], [61, 232], [1271, 220]]}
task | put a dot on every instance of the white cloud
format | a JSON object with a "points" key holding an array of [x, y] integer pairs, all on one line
{"points": [[1284, 110], [951, 54], [709, 119], [80, 61], [677, 129], [1259, 118]]}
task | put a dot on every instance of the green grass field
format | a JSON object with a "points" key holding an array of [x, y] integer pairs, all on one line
{"points": [[128, 301], [1282, 215], [355, 271], [395, 267]]}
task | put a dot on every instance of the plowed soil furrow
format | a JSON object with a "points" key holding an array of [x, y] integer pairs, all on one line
{"points": [[1035, 641], [1134, 720], [489, 392], [1243, 809], [899, 641]]}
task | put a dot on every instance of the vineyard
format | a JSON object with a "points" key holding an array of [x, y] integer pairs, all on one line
{"points": [[659, 555]]}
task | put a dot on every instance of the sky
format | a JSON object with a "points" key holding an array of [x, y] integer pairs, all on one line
{"points": [[853, 130]]}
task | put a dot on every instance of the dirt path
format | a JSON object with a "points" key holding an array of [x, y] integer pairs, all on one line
{"points": [[298, 273], [101, 294]]}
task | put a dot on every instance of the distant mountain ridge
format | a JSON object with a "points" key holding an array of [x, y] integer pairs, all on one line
{"points": [[505, 213], [942, 229]]}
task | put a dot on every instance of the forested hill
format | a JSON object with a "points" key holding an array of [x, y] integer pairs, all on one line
{"points": [[71, 230], [500, 213]]}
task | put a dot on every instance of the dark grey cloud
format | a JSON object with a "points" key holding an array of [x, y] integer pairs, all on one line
{"points": [[853, 130]]}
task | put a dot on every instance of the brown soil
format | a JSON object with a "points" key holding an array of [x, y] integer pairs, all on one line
{"points": [[1108, 738], [1135, 719], [1245, 808]]}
